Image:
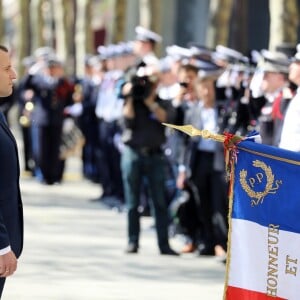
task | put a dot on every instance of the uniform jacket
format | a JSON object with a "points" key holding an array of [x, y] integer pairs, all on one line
{"points": [[52, 96]]}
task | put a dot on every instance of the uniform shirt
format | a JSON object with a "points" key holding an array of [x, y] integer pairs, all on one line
{"points": [[109, 105], [150, 59], [208, 122], [290, 135], [168, 92]]}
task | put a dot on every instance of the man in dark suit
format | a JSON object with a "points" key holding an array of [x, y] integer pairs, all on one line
{"points": [[11, 211]]}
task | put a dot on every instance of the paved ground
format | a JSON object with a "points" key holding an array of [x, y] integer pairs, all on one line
{"points": [[74, 250]]}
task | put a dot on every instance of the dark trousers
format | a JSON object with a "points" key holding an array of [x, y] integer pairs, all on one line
{"points": [[212, 189], [27, 148], [49, 139], [90, 165], [2, 282], [109, 160], [136, 166]]}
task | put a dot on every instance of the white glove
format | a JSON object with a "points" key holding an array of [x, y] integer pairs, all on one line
{"points": [[74, 110]]}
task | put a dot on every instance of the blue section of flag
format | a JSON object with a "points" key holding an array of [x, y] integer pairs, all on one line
{"points": [[261, 168]]}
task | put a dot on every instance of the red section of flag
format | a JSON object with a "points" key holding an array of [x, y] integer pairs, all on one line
{"points": [[234, 293]]}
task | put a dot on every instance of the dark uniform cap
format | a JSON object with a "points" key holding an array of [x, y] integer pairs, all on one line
{"points": [[207, 68], [146, 35], [274, 62]]}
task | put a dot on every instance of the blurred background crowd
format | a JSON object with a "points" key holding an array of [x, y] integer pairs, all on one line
{"points": [[97, 79]]}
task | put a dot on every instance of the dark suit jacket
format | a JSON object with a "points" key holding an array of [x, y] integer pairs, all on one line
{"points": [[11, 210]]}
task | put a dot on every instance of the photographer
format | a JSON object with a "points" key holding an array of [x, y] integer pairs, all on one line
{"points": [[142, 157]]}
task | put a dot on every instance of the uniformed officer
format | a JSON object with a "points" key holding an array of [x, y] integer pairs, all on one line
{"points": [[108, 111], [54, 92], [277, 94]]}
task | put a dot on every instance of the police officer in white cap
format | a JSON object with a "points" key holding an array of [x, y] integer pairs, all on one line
{"points": [[145, 42], [275, 88]]}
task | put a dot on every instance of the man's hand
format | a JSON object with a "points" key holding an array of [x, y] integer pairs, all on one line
{"points": [[180, 182], [8, 264]]}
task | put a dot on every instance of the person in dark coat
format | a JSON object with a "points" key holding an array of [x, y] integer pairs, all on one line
{"points": [[87, 121], [54, 92], [11, 211]]}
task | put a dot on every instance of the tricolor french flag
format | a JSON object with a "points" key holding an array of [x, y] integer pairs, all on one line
{"points": [[263, 259]]}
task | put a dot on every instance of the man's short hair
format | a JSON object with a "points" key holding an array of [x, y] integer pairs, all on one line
{"points": [[3, 48]]}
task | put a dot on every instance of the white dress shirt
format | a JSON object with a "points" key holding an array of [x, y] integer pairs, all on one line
{"points": [[290, 135]]}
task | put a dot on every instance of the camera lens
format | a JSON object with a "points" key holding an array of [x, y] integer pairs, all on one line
{"points": [[183, 84]]}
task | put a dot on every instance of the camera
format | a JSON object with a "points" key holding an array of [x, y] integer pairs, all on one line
{"points": [[141, 87], [143, 82]]}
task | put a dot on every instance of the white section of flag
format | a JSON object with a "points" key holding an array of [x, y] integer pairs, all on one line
{"points": [[249, 259]]}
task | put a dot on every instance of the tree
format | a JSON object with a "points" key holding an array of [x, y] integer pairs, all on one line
{"points": [[155, 22], [218, 30], [37, 23], [284, 22], [88, 33], [64, 13], [120, 21], [24, 30]]}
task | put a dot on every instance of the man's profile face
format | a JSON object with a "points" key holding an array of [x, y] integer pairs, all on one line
{"points": [[7, 74], [294, 72], [272, 81]]}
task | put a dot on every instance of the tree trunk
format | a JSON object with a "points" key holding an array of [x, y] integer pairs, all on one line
{"points": [[81, 31], [145, 13], [69, 24], [89, 38], [284, 22], [150, 17], [37, 24], [24, 32], [119, 21], [60, 40], [155, 21], [218, 31]]}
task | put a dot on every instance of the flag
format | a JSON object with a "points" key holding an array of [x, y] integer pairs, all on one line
{"points": [[263, 258]]}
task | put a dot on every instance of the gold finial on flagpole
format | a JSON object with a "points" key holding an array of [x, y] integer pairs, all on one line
{"points": [[192, 131]]}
